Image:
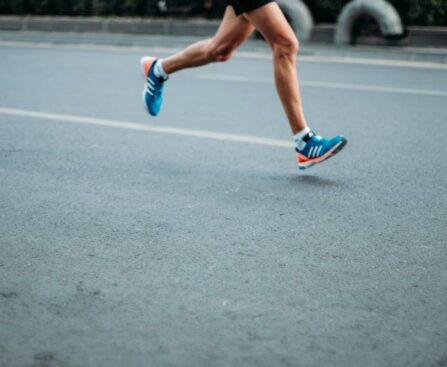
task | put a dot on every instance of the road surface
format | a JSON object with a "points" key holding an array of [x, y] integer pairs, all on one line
{"points": [[191, 239]]}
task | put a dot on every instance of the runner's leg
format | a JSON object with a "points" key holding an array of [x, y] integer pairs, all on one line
{"points": [[272, 24], [232, 32]]}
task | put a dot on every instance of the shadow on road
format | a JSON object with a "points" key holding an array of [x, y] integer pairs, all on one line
{"points": [[317, 181]]}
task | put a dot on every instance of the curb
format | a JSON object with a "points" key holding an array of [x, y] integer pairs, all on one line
{"points": [[323, 33], [416, 37], [161, 26]]}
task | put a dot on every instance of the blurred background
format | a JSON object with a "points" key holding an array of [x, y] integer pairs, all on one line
{"points": [[412, 12], [416, 23]]}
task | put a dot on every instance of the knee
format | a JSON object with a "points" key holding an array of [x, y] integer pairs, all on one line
{"points": [[286, 45], [219, 52]]}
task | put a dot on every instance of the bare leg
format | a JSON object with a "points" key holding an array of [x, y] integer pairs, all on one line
{"points": [[232, 32], [271, 23]]}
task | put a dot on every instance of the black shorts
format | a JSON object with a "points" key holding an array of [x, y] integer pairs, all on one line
{"points": [[243, 6]]}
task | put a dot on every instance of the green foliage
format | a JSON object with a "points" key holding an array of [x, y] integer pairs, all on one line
{"points": [[75, 7], [325, 11], [430, 12], [420, 12]]}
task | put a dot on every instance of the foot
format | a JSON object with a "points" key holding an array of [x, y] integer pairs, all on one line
{"points": [[318, 149], [153, 89]]}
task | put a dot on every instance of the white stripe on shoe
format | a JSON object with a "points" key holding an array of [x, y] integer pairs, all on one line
{"points": [[319, 151]]}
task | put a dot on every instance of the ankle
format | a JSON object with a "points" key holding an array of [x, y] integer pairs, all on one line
{"points": [[159, 70], [302, 137]]}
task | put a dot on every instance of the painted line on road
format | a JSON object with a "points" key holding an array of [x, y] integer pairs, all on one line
{"points": [[204, 134], [260, 55], [328, 59], [313, 84]]}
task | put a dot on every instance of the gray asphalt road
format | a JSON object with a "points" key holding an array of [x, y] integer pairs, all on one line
{"points": [[122, 247]]}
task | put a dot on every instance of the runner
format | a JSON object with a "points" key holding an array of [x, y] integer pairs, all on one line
{"points": [[241, 18]]}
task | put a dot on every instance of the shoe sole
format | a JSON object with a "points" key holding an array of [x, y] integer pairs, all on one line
{"points": [[338, 148]]}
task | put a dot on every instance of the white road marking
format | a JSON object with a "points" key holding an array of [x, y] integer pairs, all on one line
{"points": [[371, 61], [326, 59], [146, 127], [344, 86]]}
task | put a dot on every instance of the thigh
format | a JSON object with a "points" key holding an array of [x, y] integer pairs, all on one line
{"points": [[270, 21], [233, 29]]}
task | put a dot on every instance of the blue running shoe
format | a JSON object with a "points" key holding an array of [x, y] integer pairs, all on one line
{"points": [[317, 149], [153, 89]]}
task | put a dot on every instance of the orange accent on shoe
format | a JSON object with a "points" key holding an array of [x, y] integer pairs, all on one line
{"points": [[303, 159], [147, 64]]}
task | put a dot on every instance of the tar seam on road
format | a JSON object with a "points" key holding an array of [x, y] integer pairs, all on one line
{"points": [[344, 86], [239, 54], [204, 134]]}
